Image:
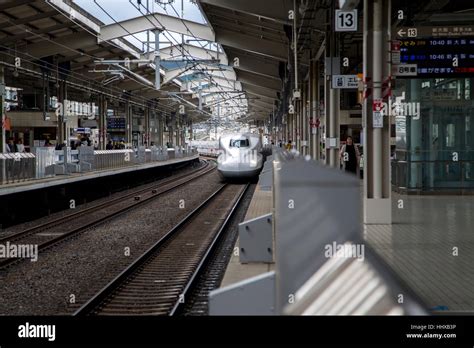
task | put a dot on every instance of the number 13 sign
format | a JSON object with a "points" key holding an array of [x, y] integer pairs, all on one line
{"points": [[346, 20]]}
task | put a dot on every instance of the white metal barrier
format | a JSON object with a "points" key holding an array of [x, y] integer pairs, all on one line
{"points": [[16, 167], [46, 161], [45, 157]]}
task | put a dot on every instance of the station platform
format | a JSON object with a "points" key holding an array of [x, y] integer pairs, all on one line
{"points": [[429, 245], [35, 184], [260, 204]]}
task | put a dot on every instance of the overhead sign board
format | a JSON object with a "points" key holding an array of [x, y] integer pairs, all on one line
{"points": [[346, 20], [345, 81], [396, 57], [395, 51], [434, 31], [438, 57], [404, 70], [407, 33]]}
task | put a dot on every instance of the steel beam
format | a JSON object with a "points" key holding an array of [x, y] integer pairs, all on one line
{"points": [[254, 8], [253, 44], [253, 63], [156, 21], [176, 51], [259, 91]]}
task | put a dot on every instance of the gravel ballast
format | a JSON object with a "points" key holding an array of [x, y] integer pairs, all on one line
{"points": [[66, 276]]}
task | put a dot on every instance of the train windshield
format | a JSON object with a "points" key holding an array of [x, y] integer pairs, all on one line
{"points": [[239, 143]]}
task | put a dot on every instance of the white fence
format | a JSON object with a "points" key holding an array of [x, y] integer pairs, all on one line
{"points": [[47, 162]]}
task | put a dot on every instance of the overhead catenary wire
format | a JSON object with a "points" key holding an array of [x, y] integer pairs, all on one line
{"points": [[111, 17], [52, 67], [117, 46], [198, 41], [98, 58], [86, 84], [183, 47]]}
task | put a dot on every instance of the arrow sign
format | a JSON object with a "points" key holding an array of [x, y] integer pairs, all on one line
{"points": [[401, 33]]}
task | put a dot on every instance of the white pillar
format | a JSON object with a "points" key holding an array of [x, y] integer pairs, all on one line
{"points": [[377, 62], [376, 65], [157, 59]]}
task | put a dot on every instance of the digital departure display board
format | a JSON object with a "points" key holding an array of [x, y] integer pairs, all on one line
{"points": [[116, 123], [435, 57]]}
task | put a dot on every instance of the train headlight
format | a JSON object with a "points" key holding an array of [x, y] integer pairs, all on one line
{"points": [[253, 162]]}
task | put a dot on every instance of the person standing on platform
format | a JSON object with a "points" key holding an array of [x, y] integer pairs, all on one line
{"points": [[289, 146], [109, 146], [47, 142], [11, 147], [19, 146], [350, 156]]}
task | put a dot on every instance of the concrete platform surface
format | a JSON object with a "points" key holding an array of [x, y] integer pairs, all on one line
{"points": [[260, 204], [430, 245]]}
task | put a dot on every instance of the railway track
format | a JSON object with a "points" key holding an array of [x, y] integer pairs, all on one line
{"points": [[50, 233], [158, 282]]}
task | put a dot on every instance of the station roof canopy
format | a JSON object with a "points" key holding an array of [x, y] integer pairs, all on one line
{"points": [[256, 37], [57, 33]]}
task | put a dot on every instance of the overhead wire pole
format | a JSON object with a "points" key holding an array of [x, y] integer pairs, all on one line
{"points": [[184, 49], [196, 39], [113, 44], [157, 59], [172, 37], [148, 31], [182, 16], [82, 53], [105, 11]]}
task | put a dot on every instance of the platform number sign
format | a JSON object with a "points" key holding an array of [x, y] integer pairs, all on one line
{"points": [[346, 20]]}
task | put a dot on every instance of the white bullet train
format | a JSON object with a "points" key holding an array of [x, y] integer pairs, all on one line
{"points": [[241, 156]]}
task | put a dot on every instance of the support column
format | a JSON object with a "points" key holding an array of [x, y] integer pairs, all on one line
{"points": [[157, 59], [62, 119], [332, 96], [416, 136], [129, 125], [304, 119], [377, 188], [311, 116], [298, 125], [178, 131], [292, 128], [102, 122], [327, 107], [3, 141], [289, 127], [315, 134], [161, 129], [191, 136], [171, 129], [334, 127], [147, 126]]}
